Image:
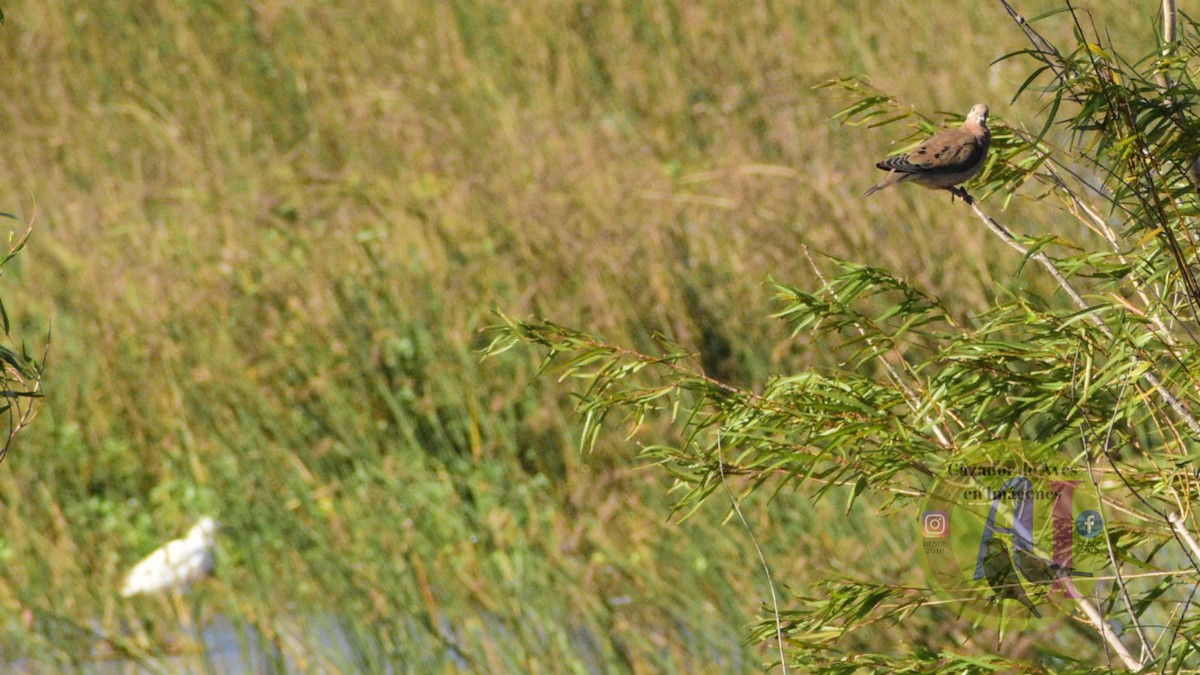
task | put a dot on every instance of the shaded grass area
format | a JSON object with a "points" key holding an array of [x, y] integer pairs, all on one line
{"points": [[268, 235]]}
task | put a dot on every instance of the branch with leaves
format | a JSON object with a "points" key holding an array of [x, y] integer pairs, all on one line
{"points": [[20, 372]]}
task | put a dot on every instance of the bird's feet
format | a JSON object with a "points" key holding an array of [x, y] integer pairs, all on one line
{"points": [[961, 194]]}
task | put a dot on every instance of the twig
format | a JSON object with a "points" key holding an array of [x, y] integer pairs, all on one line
{"points": [[762, 558], [1177, 524], [1110, 637], [1120, 577], [1169, 36], [1049, 53]]}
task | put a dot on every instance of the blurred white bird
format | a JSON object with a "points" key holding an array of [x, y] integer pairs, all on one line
{"points": [[177, 565]]}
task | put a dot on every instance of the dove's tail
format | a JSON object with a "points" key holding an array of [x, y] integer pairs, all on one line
{"points": [[892, 178]]}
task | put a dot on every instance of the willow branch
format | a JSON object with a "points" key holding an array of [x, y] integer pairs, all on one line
{"points": [[1110, 637]]}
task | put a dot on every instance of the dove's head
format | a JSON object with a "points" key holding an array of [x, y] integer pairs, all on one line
{"points": [[978, 115]]}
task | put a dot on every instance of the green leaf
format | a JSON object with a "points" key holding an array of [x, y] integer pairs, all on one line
{"points": [[859, 486]]}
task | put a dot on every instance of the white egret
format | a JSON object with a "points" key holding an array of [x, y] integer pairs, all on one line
{"points": [[177, 565]]}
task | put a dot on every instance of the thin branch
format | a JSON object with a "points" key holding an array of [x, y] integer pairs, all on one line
{"points": [[1178, 525], [762, 558], [1110, 637], [1169, 37], [1120, 578], [1049, 54]]}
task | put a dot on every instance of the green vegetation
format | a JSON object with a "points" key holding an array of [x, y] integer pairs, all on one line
{"points": [[267, 237]]}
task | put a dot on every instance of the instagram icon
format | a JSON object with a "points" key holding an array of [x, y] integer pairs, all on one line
{"points": [[935, 525]]}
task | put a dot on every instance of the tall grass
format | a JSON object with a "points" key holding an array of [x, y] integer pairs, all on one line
{"points": [[267, 235]]}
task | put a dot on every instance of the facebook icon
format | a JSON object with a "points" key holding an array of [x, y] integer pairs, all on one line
{"points": [[1089, 524]]}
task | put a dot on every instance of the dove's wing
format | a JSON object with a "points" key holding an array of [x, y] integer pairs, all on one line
{"points": [[952, 151]]}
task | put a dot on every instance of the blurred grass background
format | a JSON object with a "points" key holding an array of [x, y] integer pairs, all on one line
{"points": [[268, 234]]}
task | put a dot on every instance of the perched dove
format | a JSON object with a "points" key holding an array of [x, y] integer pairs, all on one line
{"points": [[943, 161], [1002, 576], [177, 565]]}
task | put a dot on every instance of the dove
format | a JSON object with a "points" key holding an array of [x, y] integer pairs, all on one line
{"points": [[177, 564], [1002, 576], [947, 158]]}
